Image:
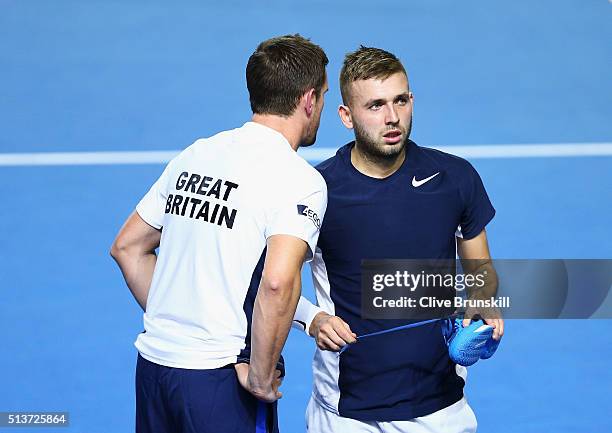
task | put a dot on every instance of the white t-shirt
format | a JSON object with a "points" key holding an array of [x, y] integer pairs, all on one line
{"points": [[216, 203]]}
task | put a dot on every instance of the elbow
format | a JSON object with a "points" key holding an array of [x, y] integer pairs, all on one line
{"points": [[118, 249], [276, 286], [277, 292], [115, 251]]}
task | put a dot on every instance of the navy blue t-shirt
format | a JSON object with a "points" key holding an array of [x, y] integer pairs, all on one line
{"points": [[405, 374]]}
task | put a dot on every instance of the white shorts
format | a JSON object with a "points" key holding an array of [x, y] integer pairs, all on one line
{"points": [[456, 418]]}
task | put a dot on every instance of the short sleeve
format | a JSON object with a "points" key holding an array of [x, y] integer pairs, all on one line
{"points": [[299, 214], [477, 208], [152, 207]]}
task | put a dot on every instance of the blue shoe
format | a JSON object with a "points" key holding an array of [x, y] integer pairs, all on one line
{"points": [[490, 348], [468, 345]]}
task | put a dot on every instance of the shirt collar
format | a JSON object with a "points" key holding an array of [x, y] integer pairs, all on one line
{"points": [[267, 132]]}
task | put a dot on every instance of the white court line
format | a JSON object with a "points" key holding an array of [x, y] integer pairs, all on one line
{"points": [[87, 158], [311, 154]]}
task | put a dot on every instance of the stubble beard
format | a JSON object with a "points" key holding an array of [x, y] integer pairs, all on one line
{"points": [[311, 136], [376, 149]]}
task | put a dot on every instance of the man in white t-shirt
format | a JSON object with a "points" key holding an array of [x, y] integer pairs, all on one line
{"points": [[234, 216]]}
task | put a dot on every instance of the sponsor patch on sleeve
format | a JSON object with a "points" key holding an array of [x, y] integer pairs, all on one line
{"points": [[310, 214]]}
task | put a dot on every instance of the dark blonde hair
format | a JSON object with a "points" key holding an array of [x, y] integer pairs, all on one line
{"points": [[366, 63]]}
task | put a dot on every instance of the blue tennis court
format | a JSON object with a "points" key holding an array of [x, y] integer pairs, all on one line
{"points": [[149, 76]]}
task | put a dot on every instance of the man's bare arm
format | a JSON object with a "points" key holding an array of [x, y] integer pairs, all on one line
{"points": [[134, 252], [275, 304], [476, 259]]}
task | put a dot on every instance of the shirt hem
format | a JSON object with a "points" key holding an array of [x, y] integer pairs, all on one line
{"points": [[210, 365], [402, 412]]}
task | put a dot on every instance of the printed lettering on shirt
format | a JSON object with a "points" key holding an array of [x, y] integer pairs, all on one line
{"points": [[207, 208], [309, 213]]}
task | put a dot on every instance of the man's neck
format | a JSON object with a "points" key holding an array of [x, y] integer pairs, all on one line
{"points": [[285, 125], [376, 167]]}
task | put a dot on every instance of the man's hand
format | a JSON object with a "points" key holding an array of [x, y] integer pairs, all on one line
{"points": [[489, 316], [267, 393], [331, 332]]}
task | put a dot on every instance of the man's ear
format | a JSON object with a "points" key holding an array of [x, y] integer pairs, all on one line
{"points": [[345, 116], [309, 98]]}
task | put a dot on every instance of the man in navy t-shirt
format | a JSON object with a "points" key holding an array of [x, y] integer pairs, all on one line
{"points": [[388, 198]]}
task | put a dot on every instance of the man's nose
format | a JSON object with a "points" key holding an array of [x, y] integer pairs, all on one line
{"points": [[391, 116]]}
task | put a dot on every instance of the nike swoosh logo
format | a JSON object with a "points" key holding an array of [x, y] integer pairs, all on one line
{"points": [[418, 183]]}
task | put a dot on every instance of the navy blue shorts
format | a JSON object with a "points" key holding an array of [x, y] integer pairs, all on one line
{"points": [[177, 400]]}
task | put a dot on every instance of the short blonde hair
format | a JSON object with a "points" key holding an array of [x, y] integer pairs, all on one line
{"points": [[366, 63]]}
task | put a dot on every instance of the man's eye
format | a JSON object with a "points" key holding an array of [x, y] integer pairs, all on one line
{"points": [[402, 101], [375, 106]]}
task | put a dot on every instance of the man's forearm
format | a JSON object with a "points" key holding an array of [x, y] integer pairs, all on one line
{"points": [[137, 271], [483, 267], [273, 313]]}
